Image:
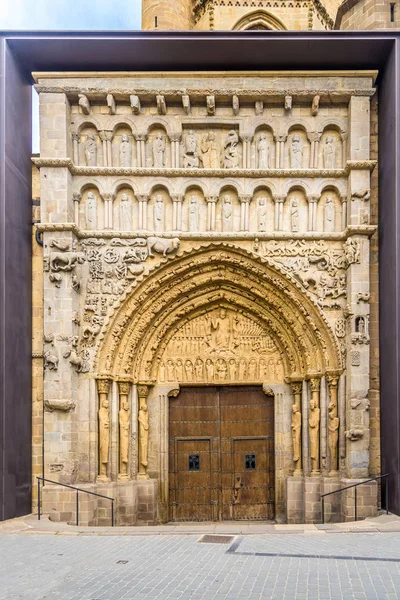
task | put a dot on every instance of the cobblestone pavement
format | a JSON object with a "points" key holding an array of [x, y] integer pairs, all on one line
{"points": [[62, 567]]}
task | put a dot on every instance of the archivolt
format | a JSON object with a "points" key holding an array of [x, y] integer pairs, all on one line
{"points": [[204, 278]]}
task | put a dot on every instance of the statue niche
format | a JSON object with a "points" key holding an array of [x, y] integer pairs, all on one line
{"points": [[221, 346]]}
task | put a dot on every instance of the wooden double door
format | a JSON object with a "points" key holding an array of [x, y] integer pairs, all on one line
{"points": [[221, 454]]}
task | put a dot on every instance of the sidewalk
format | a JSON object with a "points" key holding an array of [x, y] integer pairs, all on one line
{"points": [[31, 525]]}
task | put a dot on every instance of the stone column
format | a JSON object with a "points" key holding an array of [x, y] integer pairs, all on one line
{"points": [[316, 150], [142, 218], [103, 137], [296, 428], [343, 199], [280, 151], [143, 429], [279, 200], [246, 151], [177, 200], [175, 150], [312, 212], [108, 210], [75, 147], [124, 420], [314, 425], [314, 138], [244, 212], [103, 388], [77, 199], [109, 137], [211, 212], [141, 150], [333, 423], [344, 137]]}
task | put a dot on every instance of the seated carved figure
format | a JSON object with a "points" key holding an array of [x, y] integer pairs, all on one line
{"points": [[161, 245], [65, 261]]}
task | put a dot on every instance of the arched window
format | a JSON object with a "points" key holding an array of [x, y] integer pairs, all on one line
{"points": [[259, 20]]}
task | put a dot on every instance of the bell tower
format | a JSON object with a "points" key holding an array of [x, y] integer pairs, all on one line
{"points": [[167, 15]]}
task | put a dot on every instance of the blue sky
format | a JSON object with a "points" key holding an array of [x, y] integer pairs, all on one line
{"points": [[68, 15]]}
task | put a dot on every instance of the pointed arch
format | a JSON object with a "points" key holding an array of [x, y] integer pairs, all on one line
{"points": [[259, 19]]}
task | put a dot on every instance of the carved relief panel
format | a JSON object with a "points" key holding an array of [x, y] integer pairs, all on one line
{"points": [[221, 346]]}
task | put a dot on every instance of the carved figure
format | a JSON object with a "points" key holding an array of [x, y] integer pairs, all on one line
{"points": [[91, 150], [170, 370], [159, 213], [296, 153], [198, 366], [231, 151], [90, 332], [124, 429], [296, 432], [50, 361], [221, 326], [162, 246], [61, 405], [193, 214], [329, 152], [189, 370], [329, 214], [210, 152], [125, 152], [262, 214], [191, 156], [125, 213], [143, 419], [104, 436], [333, 435], [91, 211], [314, 433], [159, 151], [354, 434], [209, 369], [294, 215], [227, 211], [352, 251], [65, 261], [221, 369], [263, 152]]}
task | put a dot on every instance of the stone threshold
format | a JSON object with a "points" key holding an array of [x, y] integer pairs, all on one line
{"points": [[31, 525]]}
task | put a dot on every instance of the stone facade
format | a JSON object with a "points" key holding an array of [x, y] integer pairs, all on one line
{"points": [[216, 235]]}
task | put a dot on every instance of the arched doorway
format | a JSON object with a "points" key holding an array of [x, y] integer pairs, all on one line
{"points": [[259, 19]]}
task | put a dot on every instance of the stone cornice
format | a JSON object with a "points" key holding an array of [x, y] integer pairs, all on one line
{"points": [[251, 173]]}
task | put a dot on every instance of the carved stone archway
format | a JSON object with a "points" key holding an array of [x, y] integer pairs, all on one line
{"points": [[259, 19]]}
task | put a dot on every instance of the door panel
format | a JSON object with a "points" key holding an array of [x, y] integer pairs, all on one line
{"points": [[221, 454]]}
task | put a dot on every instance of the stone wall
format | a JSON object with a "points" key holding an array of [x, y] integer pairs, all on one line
{"points": [[367, 14]]}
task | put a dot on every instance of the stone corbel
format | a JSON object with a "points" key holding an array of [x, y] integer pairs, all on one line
{"points": [[111, 104], [211, 212], [244, 211], [84, 103], [210, 101], [161, 104], [259, 107], [235, 105], [288, 102], [177, 200], [315, 105], [186, 103], [279, 201], [135, 104]]}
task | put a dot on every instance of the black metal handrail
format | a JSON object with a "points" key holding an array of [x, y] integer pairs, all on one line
{"points": [[72, 487], [355, 486]]}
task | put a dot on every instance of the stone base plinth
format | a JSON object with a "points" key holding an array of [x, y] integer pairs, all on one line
{"points": [[134, 502], [303, 500]]}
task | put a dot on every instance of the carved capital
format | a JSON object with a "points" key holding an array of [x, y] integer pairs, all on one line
{"points": [[313, 198], [246, 138], [332, 379], [296, 387], [212, 199], [124, 387], [76, 197], [280, 138], [175, 137], [108, 197], [143, 391], [344, 136], [143, 197], [343, 198], [103, 386], [177, 197], [141, 137], [245, 199], [315, 384], [106, 136], [314, 136], [279, 198], [75, 137]]}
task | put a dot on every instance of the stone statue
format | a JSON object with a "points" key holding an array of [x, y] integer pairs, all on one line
{"points": [[352, 251], [91, 211], [159, 214], [91, 150], [104, 436], [329, 214], [193, 214], [210, 152], [296, 153], [314, 434], [125, 213], [209, 370], [221, 330], [227, 215], [263, 152], [170, 370], [159, 151], [124, 429], [296, 432], [333, 435], [294, 215], [125, 152], [262, 214], [329, 152], [191, 157], [143, 419], [231, 150]]}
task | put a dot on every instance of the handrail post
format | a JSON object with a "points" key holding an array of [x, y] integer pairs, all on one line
{"points": [[387, 494], [355, 503], [38, 495], [77, 507], [323, 510], [112, 513]]}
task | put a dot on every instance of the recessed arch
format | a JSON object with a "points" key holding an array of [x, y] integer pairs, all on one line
{"points": [[212, 275], [259, 19]]}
